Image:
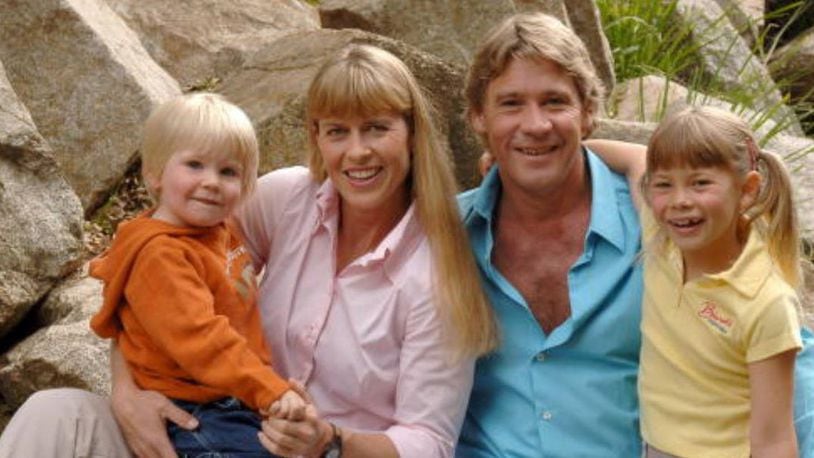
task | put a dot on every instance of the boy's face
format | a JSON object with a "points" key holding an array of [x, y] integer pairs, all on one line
{"points": [[196, 189]]}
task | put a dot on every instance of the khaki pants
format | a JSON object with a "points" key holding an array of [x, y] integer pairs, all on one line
{"points": [[63, 422]]}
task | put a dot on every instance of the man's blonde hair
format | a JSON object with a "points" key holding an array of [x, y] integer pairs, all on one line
{"points": [[203, 122], [534, 36], [364, 80]]}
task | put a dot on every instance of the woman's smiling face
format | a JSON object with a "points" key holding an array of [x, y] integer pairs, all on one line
{"points": [[368, 159]]}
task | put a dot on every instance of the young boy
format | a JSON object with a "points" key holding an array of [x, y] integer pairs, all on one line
{"points": [[180, 292]]}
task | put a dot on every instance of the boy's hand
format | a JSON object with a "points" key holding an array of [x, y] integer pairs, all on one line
{"points": [[290, 406], [485, 162]]}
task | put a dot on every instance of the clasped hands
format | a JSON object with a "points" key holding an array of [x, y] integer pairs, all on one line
{"points": [[292, 426]]}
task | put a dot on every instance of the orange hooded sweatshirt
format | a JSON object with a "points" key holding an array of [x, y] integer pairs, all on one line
{"points": [[181, 303]]}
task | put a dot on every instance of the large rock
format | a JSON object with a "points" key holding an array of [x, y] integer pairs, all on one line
{"points": [[798, 152], [587, 22], [271, 88], [76, 299], [745, 15], [627, 131], [728, 61], [794, 63], [40, 216], [63, 353], [452, 29], [195, 40], [88, 83], [645, 99], [649, 98]]}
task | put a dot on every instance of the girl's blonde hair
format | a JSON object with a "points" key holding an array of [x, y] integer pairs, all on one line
{"points": [[363, 80], [203, 122], [711, 137]]}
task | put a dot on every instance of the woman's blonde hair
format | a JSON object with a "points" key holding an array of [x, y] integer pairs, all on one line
{"points": [[363, 80], [534, 36], [201, 122], [706, 136]]}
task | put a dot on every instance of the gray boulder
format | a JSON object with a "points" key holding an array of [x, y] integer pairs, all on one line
{"points": [[40, 216], [627, 131], [452, 29], [196, 40], [87, 82], [794, 62], [746, 16], [728, 60], [271, 87], [649, 98], [63, 353]]}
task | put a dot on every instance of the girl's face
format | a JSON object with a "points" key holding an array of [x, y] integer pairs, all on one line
{"points": [[699, 209], [368, 160]]}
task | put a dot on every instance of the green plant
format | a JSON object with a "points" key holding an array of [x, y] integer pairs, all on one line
{"points": [[646, 39]]}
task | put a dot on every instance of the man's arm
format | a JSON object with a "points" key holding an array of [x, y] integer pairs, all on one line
{"points": [[629, 159], [771, 388]]}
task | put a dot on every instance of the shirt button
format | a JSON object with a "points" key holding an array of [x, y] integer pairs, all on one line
{"points": [[540, 356], [547, 415]]}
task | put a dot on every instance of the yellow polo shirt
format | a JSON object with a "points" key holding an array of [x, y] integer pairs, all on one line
{"points": [[697, 341]]}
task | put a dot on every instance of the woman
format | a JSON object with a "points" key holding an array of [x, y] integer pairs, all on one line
{"points": [[369, 296]]}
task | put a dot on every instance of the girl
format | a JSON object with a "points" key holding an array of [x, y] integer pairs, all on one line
{"points": [[720, 324]]}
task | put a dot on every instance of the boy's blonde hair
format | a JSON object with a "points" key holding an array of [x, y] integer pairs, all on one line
{"points": [[706, 136], [363, 80], [202, 122], [535, 36]]}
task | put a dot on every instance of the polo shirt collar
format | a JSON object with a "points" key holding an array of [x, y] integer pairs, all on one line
{"points": [[751, 269]]}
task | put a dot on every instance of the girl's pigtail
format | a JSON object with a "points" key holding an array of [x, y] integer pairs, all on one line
{"points": [[774, 211]]}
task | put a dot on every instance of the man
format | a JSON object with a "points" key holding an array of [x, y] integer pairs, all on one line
{"points": [[556, 237]]}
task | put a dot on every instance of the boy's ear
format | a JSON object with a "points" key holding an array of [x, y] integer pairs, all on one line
{"points": [[750, 190], [153, 184]]}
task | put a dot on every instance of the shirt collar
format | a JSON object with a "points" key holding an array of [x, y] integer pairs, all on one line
{"points": [[604, 222], [406, 232], [751, 269], [327, 201], [605, 219]]}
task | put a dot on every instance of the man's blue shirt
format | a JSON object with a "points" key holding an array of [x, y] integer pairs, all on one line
{"points": [[571, 393]]}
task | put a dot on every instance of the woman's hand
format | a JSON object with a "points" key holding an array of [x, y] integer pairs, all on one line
{"points": [[306, 437], [142, 417]]}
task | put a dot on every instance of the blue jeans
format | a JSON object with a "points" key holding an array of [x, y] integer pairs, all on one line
{"points": [[226, 429]]}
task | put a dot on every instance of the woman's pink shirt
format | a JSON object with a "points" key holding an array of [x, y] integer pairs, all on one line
{"points": [[366, 341]]}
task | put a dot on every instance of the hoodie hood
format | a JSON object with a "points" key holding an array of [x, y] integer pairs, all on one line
{"points": [[113, 266]]}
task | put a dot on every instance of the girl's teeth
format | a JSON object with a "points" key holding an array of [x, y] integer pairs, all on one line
{"points": [[686, 223]]}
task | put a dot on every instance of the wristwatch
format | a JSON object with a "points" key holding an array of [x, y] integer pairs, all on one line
{"points": [[334, 447]]}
